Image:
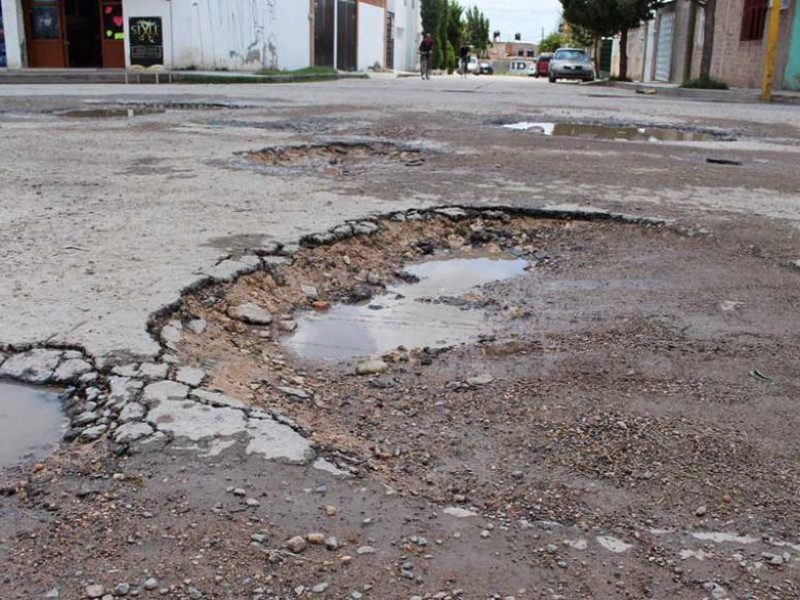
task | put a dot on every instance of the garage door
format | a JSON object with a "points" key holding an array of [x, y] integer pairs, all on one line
{"points": [[666, 34]]}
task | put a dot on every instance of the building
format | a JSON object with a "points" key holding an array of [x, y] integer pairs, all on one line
{"points": [[201, 34], [516, 49], [669, 47], [404, 33]]}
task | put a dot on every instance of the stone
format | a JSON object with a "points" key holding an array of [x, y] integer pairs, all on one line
{"points": [[453, 213], [480, 379], [295, 392], [85, 418], [71, 370], [371, 367], [35, 366], [316, 538], [240, 492], [197, 326], [259, 538], [613, 544], [320, 587], [365, 228], [366, 550], [150, 584], [191, 376], [92, 434], [310, 292], [153, 371], [331, 543], [122, 589], [287, 325], [250, 313], [701, 511], [95, 591], [296, 544], [458, 512], [130, 370], [195, 594], [133, 411], [217, 399], [164, 391], [53, 593], [123, 389], [132, 432], [796, 264], [252, 502], [170, 334]]}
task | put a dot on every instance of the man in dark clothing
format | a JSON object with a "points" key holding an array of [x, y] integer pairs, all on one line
{"points": [[426, 55], [463, 55]]}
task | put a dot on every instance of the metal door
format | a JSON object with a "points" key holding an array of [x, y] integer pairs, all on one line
{"points": [[346, 34], [45, 32], [666, 34], [324, 27]]}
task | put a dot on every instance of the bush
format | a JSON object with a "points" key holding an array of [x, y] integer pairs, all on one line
{"points": [[705, 84]]}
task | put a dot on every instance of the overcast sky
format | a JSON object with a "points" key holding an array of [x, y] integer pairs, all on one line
{"points": [[520, 16]]}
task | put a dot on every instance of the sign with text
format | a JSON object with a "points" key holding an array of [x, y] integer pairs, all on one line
{"points": [[147, 41]]}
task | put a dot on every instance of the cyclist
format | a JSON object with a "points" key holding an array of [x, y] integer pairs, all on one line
{"points": [[463, 55], [426, 55]]}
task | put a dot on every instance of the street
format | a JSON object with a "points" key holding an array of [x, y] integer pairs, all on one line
{"points": [[612, 416]]}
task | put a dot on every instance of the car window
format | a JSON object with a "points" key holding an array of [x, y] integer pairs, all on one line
{"points": [[570, 55]]}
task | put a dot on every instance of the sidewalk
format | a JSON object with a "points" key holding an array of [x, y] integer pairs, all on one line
{"points": [[734, 95]]}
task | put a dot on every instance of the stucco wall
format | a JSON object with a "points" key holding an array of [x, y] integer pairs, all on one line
{"points": [[371, 34], [230, 34], [14, 27], [407, 33]]}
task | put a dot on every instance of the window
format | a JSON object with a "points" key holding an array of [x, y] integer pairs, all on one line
{"points": [[754, 17], [520, 53], [529, 54]]}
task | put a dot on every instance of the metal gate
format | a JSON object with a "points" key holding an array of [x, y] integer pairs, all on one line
{"points": [[346, 33], [324, 27], [666, 35]]}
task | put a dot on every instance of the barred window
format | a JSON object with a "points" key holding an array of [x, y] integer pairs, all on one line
{"points": [[754, 18]]}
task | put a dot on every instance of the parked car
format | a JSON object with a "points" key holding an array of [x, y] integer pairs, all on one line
{"points": [[485, 68], [533, 71], [543, 64], [571, 63], [472, 65]]}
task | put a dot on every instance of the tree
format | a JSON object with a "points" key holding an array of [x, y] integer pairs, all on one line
{"points": [[552, 42], [708, 39], [477, 31], [455, 34], [429, 10]]}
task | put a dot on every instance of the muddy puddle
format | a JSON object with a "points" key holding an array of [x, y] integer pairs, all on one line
{"points": [[607, 132], [430, 312], [31, 423], [113, 113]]}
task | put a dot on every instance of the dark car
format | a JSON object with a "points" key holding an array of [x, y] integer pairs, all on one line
{"points": [[543, 64], [484, 68]]}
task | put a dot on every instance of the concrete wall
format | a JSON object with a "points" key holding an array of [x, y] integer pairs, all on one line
{"points": [[16, 53], [791, 79], [230, 34], [371, 34], [637, 41], [407, 34]]}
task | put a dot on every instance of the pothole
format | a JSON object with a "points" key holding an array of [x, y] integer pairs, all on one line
{"points": [[436, 309], [609, 132], [337, 158], [127, 112], [31, 423]]}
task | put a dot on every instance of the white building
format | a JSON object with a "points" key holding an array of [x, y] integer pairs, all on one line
{"points": [[405, 28], [201, 34]]}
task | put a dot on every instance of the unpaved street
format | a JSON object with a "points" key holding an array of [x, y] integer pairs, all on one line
{"points": [[365, 340]]}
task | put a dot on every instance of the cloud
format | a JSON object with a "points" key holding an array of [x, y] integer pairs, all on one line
{"points": [[527, 17]]}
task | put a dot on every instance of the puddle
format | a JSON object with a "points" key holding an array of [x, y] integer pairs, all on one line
{"points": [[606, 132], [31, 423], [113, 113], [407, 314]]}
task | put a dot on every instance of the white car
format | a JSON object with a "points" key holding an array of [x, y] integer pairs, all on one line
{"points": [[532, 71]]}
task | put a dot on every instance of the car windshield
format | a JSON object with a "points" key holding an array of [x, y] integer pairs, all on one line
{"points": [[570, 55]]}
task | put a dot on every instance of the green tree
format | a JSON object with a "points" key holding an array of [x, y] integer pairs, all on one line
{"points": [[552, 42], [429, 11], [455, 34], [476, 31]]}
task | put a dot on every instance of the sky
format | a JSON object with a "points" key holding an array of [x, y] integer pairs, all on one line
{"points": [[527, 17]]}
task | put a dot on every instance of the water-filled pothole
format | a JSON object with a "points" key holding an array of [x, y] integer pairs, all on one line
{"points": [[31, 423], [431, 312], [114, 113], [608, 132], [338, 156]]}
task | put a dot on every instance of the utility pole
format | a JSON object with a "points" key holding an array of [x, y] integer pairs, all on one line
{"points": [[772, 50]]}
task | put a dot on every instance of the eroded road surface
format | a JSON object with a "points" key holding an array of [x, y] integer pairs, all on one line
{"points": [[382, 339]]}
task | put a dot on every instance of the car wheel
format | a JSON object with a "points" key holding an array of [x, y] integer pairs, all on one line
{"points": [[552, 79]]}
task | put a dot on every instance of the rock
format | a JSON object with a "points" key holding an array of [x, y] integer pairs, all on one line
{"points": [[250, 313], [150, 584], [85, 418], [122, 589], [294, 392], [35, 366], [191, 376], [123, 389], [133, 411], [296, 544], [453, 213], [153, 371], [315, 538], [774, 560], [701, 511], [71, 370], [197, 326], [613, 544], [132, 432], [287, 325], [365, 228], [163, 391], [252, 502], [480, 379], [485, 533], [92, 434], [170, 334], [331, 543], [796, 264], [95, 591], [371, 367], [366, 550], [361, 293], [217, 399], [240, 492], [53, 593], [195, 594], [259, 538], [310, 292], [320, 587]]}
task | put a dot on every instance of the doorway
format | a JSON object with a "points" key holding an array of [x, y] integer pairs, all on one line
{"points": [[81, 34]]}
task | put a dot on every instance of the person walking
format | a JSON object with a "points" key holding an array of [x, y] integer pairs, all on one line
{"points": [[426, 56], [463, 56]]}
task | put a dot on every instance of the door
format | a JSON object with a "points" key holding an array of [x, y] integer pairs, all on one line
{"points": [[347, 34], [649, 50], [112, 34], [666, 33], [324, 26], [45, 32]]}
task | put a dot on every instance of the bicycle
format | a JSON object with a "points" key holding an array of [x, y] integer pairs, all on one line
{"points": [[425, 65]]}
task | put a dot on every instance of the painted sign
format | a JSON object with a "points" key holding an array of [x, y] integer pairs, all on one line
{"points": [[146, 40]]}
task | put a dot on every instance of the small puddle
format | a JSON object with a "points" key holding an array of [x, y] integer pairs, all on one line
{"points": [[407, 314], [605, 132], [113, 113], [31, 423]]}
